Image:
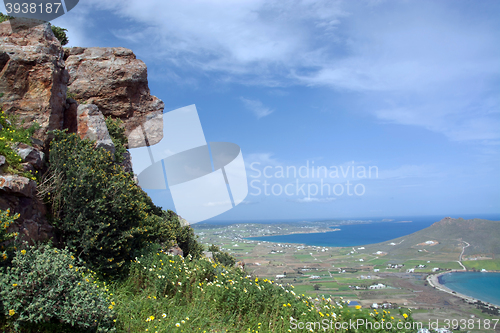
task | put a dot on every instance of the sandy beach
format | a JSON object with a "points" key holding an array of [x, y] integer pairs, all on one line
{"points": [[433, 281]]}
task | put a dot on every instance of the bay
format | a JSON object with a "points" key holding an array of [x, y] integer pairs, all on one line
{"points": [[480, 285]]}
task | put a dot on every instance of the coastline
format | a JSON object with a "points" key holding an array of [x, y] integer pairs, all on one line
{"points": [[315, 231], [433, 280]]}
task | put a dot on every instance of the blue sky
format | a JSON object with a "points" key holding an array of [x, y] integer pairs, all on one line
{"points": [[411, 87]]}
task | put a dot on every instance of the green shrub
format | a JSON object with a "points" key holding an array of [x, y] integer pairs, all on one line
{"points": [[6, 247], [5, 17], [117, 134], [97, 208], [11, 133], [100, 212], [46, 289], [224, 259], [166, 229], [60, 34], [221, 257]]}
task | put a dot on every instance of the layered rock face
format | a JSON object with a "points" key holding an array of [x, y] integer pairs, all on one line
{"points": [[33, 78], [116, 82]]}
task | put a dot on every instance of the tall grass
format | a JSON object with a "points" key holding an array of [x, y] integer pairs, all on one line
{"points": [[166, 293]]}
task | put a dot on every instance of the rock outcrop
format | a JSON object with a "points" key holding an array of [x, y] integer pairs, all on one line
{"points": [[92, 125], [35, 73], [116, 81], [33, 78]]}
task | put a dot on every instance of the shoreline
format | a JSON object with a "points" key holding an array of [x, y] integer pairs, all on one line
{"points": [[433, 280], [295, 233]]}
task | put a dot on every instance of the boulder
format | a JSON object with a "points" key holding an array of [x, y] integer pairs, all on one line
{"points": [[92, 125], [29, 154], [33, 78], [116, 81], [17, 185], [2, 160]]}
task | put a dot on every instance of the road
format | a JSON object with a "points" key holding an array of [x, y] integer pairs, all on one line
{"points": [[461, 254]]}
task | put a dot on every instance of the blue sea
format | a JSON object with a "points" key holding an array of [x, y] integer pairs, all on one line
{"points": [[366, 231], [483, 286]]}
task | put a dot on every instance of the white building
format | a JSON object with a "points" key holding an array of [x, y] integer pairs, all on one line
{"points": [[377, 286]]}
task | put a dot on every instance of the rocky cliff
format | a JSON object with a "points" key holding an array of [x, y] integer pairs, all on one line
{"points": [[36, 75], [116, 81], [33, 78]]}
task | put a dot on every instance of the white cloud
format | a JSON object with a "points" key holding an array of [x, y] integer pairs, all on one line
{"points": [[256, 107], [428, 64]]}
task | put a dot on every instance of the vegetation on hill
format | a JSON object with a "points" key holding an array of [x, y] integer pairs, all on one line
{"points": [[168, 293]]}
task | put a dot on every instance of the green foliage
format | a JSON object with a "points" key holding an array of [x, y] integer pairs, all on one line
{"points": [[5, 17], [47, 290], [60, 34], [224, 259], [166, 293], [69, 94], [213, 248], [99, 211], [117, 134], [166, 229], [11, 133], [221, 257], [6, 247]]}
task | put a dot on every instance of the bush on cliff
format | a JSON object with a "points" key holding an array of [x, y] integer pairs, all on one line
{"points": [[60, 34], [11, 132], [99, 211]]}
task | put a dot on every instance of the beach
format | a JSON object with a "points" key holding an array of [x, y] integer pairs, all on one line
{"points": [[433, 281]]}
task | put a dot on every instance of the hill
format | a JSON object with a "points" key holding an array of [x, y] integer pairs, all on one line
{"points": [[448, 237]]}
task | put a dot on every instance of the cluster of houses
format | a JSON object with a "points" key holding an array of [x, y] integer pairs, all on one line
{"points": [[373, 286], [386, 305]]}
